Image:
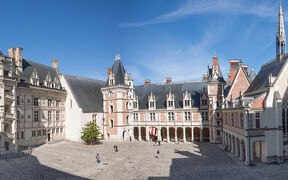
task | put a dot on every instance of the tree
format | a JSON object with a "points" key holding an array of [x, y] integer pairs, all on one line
{"points": [[90, 133]]}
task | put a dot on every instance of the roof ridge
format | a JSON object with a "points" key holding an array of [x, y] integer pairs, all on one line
{"points": [[86, 78], [176, 82], [38, 63]]}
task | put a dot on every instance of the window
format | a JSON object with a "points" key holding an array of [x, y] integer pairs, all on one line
{"points": [[111, 123], [127, 119], [171, 116], [57, 130], [39, 132], [33, 133], [18, 115], [22, 134], [94, 117], [6, 73], [232, 118], [36, 101], [134, 105], [135, 116], [53, 131], [57, 115], [170, 103], [152, 104], [44, 132], [127, 105], [218, 104], [218, 123], [49, 102], [204, 102], [152, 116], [218, 132], [187, 116], [18, 100], [226, 118], [186, 103], [35, 82], [111, 109], [241, 120], [49, 115], [57, 103], [61, 130], [36, 116], [257, 119]]}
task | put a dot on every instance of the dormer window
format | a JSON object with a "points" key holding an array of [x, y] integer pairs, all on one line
{"points": [[170, 103], [170, 100], [152, 101], [186, 100], [48, 81], [186, 103], [135, 102], [56, 83], [34, 79]]}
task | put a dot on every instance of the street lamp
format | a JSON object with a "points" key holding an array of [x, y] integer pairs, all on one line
{"points": [[249, 144]]}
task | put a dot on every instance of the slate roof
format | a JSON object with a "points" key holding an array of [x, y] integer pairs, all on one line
{"points": [[87, 92], [210, 75], [119, 72], [42, 70], [161, 90], [261, 81]]}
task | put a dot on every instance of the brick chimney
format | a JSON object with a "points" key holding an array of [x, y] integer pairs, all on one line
{"points": [[234, 65], [215, 61], [168, 80], [16, 54], [245, 67], [109, 71], [204, 77], [147, 82]]}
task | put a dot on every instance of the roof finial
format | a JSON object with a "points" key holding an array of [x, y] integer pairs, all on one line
{"points": [[215, 54], [117, 56]]}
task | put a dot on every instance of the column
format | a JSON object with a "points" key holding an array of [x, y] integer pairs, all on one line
{"points": [[192, 134], [184, 135], [232, 145], [168, 137], [140, 137], [236, 147], [241, 157], [132, 134], [159, 134], [201, 135], [147, 134], [247, 152], [176, 138]]}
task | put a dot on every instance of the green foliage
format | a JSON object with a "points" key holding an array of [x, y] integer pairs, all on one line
{"points": [[90, 133]]}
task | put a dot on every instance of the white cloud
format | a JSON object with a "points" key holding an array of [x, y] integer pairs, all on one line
{"points": [[263, 8]]}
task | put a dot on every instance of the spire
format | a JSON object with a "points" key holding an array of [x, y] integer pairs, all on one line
{"points": [[280, 36]]}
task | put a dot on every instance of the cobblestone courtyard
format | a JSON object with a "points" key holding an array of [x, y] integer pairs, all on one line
{"points": [[136, 160]]}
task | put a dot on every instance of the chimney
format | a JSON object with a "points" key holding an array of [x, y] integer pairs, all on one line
{"points": [[204, 77], [215, 61], [55, 63], [16, 54], [245, 67], [147, 82], [11, 52], [234, 65], [109, 71], [168, 80]]}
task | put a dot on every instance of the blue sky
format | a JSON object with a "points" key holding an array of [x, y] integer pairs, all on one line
{"points": [[156, 38]]}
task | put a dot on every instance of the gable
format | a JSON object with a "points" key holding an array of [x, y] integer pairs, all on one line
{"points": [[239, 84]]}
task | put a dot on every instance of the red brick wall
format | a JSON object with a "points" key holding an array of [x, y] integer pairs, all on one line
{"points": [[240, 84]]}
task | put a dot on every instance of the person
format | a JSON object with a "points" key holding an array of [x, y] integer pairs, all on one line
{"points": [[225, 148], [159, 143], [116, 148], [158, 153], [98, 158]]}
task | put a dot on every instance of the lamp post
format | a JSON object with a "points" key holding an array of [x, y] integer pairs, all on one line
{"points": [[249, 144]]}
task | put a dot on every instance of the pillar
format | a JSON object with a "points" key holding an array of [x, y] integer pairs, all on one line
{"points": [[247, 152], [236, 147], [241, 157], [192, 134], [140, 135], [176, 137], [201, 135], [232, 145], [168, 137], [147, 134], [184, 134], [159, 134]]}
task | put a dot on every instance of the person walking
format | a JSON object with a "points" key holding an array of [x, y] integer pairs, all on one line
{"points": [[98, 158], [158, 153], [116, 148]]}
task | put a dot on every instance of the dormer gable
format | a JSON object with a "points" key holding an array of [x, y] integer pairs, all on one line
{"points": [[170, 100], [56, 83], [48, 80], [135, 102], [151, 101], [34, 79], [186, 100]]}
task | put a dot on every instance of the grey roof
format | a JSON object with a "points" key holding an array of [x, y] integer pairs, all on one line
{"points": [[42, 70], [87, 92], [252, 75], [210, 75], [119, 72], [261, 81], [161, 90]]}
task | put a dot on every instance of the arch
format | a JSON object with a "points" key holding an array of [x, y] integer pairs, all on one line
{"points": [[188, 133], [143, 133], [172, 133], [153, 135], [196, 133], [136, 133], [180, 134], [164, 133], [206, 134], [257, 151], [124, 134]]}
